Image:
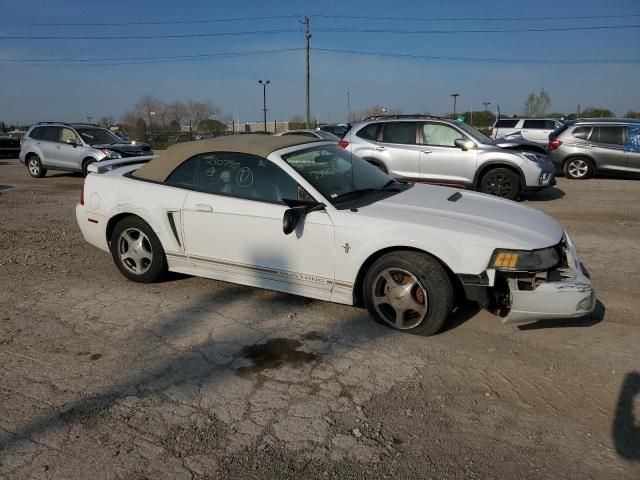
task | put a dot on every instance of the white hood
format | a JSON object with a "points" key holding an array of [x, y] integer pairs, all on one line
{"points": [[489, 220]]}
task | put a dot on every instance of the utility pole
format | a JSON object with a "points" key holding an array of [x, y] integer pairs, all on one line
{"points": [[455, 100], [486, 106], [264, 101], [307, 35], [348, 107]]}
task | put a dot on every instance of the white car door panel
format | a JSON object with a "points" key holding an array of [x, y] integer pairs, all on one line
{"points": [[244, 240], [232, 226]]}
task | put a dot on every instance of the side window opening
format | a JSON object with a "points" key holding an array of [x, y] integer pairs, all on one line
{"points": [[237, 175], [399, 132]]}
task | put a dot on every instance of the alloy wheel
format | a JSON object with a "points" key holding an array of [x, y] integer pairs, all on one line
{"points": [[134, 251], [34, 167], [399, 298], [499, 185], [578, 168]]}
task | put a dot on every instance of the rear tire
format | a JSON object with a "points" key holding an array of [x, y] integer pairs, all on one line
{"points": [[501, 182], [578, 168], [408, 291], [35, 168], [137, 251]]}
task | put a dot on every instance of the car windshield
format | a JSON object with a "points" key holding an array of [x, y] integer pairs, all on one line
{"points": [[473, 133], [95, 136], [340, 176]]}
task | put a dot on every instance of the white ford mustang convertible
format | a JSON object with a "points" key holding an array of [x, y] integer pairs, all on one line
{"points": [[305, 217]]}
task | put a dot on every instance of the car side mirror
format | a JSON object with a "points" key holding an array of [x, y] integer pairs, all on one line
{"points": [[72, 142], [463, 144], [296, 213]]}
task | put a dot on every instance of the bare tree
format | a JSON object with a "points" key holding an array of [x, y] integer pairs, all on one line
{"points": [[147, 108], [537, 105], [375, 110], [200, 110], [107, 122], [176, 111]]}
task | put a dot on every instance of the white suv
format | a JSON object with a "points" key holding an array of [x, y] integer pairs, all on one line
{"points": [[533, 129]]}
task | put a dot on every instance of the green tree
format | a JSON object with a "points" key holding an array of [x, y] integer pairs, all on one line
{"points": [[212, 126], [481, 119], [538, 104], [596, 112], [633, 114]]}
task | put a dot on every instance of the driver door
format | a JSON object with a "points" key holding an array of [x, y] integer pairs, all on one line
{"points": [[232, 226], [441, 161]]}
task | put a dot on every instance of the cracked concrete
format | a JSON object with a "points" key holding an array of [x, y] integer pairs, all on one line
{"points": [[191, 378]]}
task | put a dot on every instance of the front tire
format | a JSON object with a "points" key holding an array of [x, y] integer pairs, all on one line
{"points": [[137, 251], [501, 182], [408, 291], [578, 168], [35, 168]]}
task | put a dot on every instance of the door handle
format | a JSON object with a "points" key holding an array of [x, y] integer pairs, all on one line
{"points": [[203, 207], [381, 149], [426, 151]]}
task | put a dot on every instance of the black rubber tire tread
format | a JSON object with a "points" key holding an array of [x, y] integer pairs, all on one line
{"points": [[158, 267], [43, 171], [432, 276], [514, 177]]}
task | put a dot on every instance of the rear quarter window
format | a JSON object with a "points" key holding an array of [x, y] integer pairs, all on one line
{"points": [[581, 132], [506, 123], [36, 133], [370, 132]]}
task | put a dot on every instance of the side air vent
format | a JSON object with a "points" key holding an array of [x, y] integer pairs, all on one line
{"points": [[172, 222]]}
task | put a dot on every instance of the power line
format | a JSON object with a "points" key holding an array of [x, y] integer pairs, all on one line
{"points": [[138, 61], [159, 22], [476, 59], [162, 57], [506, 30], [478, 19], [143, 37]]}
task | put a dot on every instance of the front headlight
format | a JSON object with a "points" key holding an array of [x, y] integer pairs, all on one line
{"points": [[525, 260], [533, 157], [111, 154]]}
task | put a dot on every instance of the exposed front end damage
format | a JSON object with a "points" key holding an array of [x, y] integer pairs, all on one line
{"points": [[564, 291]]}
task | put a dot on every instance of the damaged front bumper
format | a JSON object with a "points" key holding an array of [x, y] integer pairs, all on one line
{"points": [[564, 291], [568, 293]]}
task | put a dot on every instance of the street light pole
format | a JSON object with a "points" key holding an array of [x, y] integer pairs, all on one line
{"points": [[455, 100], [348, 107], [486, 106], [264, 101]]}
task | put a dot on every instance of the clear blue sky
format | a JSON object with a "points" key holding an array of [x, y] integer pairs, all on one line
{"points": [[33, 93]]}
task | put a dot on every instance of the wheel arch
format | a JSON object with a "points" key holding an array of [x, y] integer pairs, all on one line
{"points": [[492, 164], [358, 299], [113, 221], [377, 162]]}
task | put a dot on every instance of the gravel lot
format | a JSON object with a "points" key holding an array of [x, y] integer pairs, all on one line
{"points": [[193, 378]]}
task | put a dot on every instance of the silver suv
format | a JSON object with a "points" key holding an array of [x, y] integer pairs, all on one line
{"points": [[72, 147], [583, 147], [447, 152]]}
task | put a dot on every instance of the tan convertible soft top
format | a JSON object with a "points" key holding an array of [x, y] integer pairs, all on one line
{"points": [[160, 168]]}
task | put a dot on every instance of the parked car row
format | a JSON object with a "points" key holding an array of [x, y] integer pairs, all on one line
{"points": [[73, 147]]}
